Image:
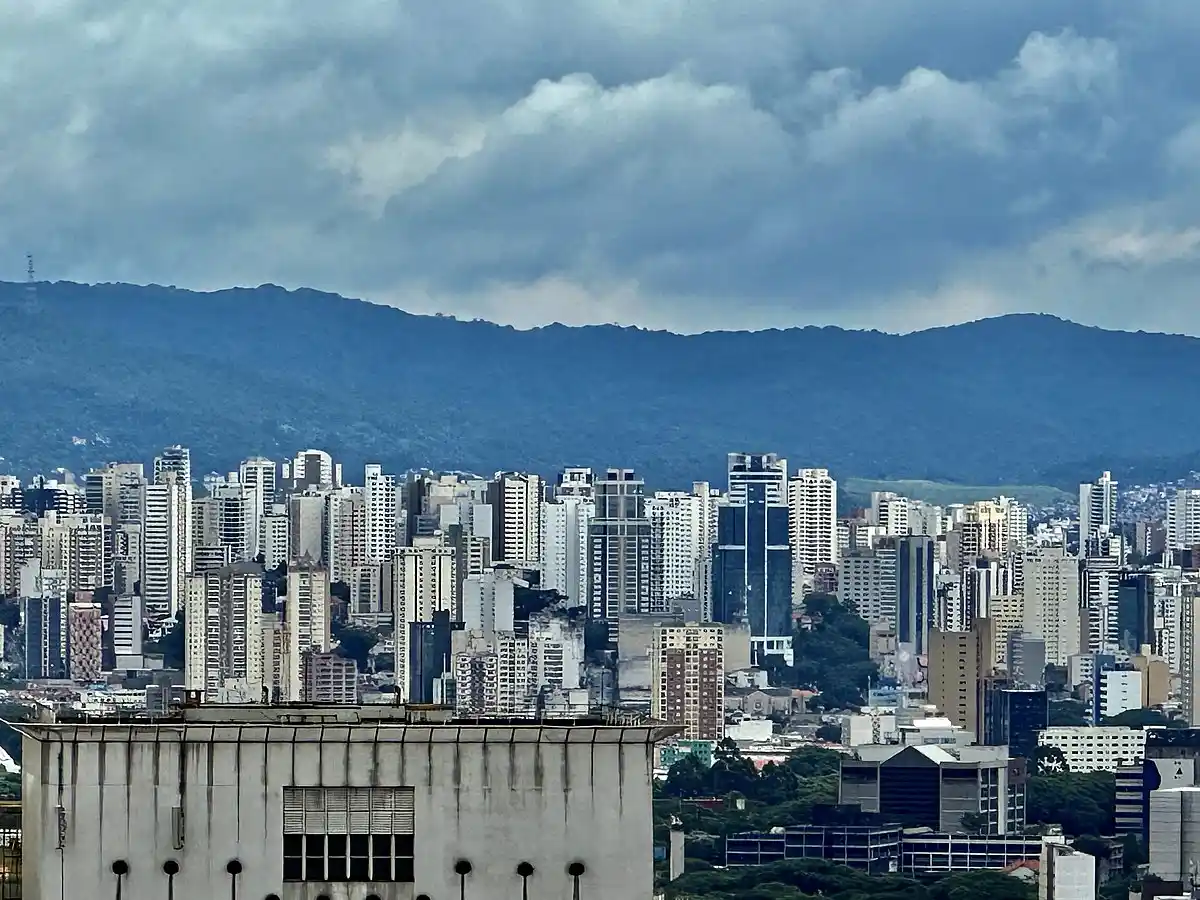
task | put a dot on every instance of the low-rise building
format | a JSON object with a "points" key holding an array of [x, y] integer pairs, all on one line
{"points": [[1098, 748]]}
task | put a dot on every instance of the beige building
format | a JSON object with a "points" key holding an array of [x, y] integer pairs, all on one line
{"points": [[959, 661], [687, 673]]}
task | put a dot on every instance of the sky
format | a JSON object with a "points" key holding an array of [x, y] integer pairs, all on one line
{"points": [[680, 164]]}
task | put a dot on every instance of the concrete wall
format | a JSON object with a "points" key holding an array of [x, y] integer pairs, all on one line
{"points": [[494, 796]]}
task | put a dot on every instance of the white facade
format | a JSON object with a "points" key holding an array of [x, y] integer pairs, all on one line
{"points": [[166, 543], [677, 545], [273, 538], [221, 786], [1189, 653], [1174, 845], [223, 652], [1183, 518], [812, 524], [516, 500], [1096, 748], [1120, 692], [306, 526], [867, 584], [308, 619], [382, 514], [1065, 873], [423, 582], [1097, 510], [258, 475], [564, 546], [345, 532]]}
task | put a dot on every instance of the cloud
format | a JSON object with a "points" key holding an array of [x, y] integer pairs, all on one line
{"points": [[874, 163]]}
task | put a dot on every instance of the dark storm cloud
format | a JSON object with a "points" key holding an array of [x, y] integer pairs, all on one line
{"points": [[887, 163]]}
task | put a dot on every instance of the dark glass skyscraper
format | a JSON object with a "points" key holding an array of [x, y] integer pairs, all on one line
{"points": [[915, 591], [752, 559]]}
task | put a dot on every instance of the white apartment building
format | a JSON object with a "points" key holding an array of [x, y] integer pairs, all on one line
{"points": [[516, 501], [1183, 518], [258, 474], [422, 582], [677, 545], [889, 513], [1120, 692], [382, 514], [1051, 589], [488, 602], [1099, 748], [313, 468], [868, 583], [492, 676], [812, 524], [166, 543], [308, 618], [223, 654], [1097, 510], [273, 536], [564, 545], [80, 546]]}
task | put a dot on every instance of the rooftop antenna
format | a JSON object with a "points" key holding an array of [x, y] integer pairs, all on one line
{"points": [[31, 292]]}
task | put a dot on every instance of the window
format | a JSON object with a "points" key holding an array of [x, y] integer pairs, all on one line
{"points": [[348, 834]]}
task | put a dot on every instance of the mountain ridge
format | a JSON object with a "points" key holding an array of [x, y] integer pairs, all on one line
{"points": [[270, 370]]}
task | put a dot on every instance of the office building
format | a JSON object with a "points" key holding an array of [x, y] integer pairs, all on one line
{"points": [[1014, 717], [619, 557], [431, 660], [285, 781], [688, 679], [1092, 748], [916, 574], [933, 786], [959, 663], [752, 560]]}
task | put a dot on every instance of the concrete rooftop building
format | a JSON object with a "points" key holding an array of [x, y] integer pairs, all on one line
{"points": [[344, 803]]}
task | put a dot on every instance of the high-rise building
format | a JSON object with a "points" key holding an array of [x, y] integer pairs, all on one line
{"points": [[678, 544], [565, 523], [752, 560], [382, 514], [1183, 519], [312, 470], [224, 644], [420, 581], [812, 523], [574, 482], [687, 664], [166, 542], [308, 617], [1051, 591], [619, 548], [84, 642], [125, 627], [959, 664], [868, 583], [345, 532], [916, 580], [431, 660], [306, 526], [1097, 510], [1189, 652], [43, 595], [516, 501], [258, 474]]}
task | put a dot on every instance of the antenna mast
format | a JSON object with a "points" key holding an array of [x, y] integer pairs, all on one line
{"points": [[31, 292]]}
